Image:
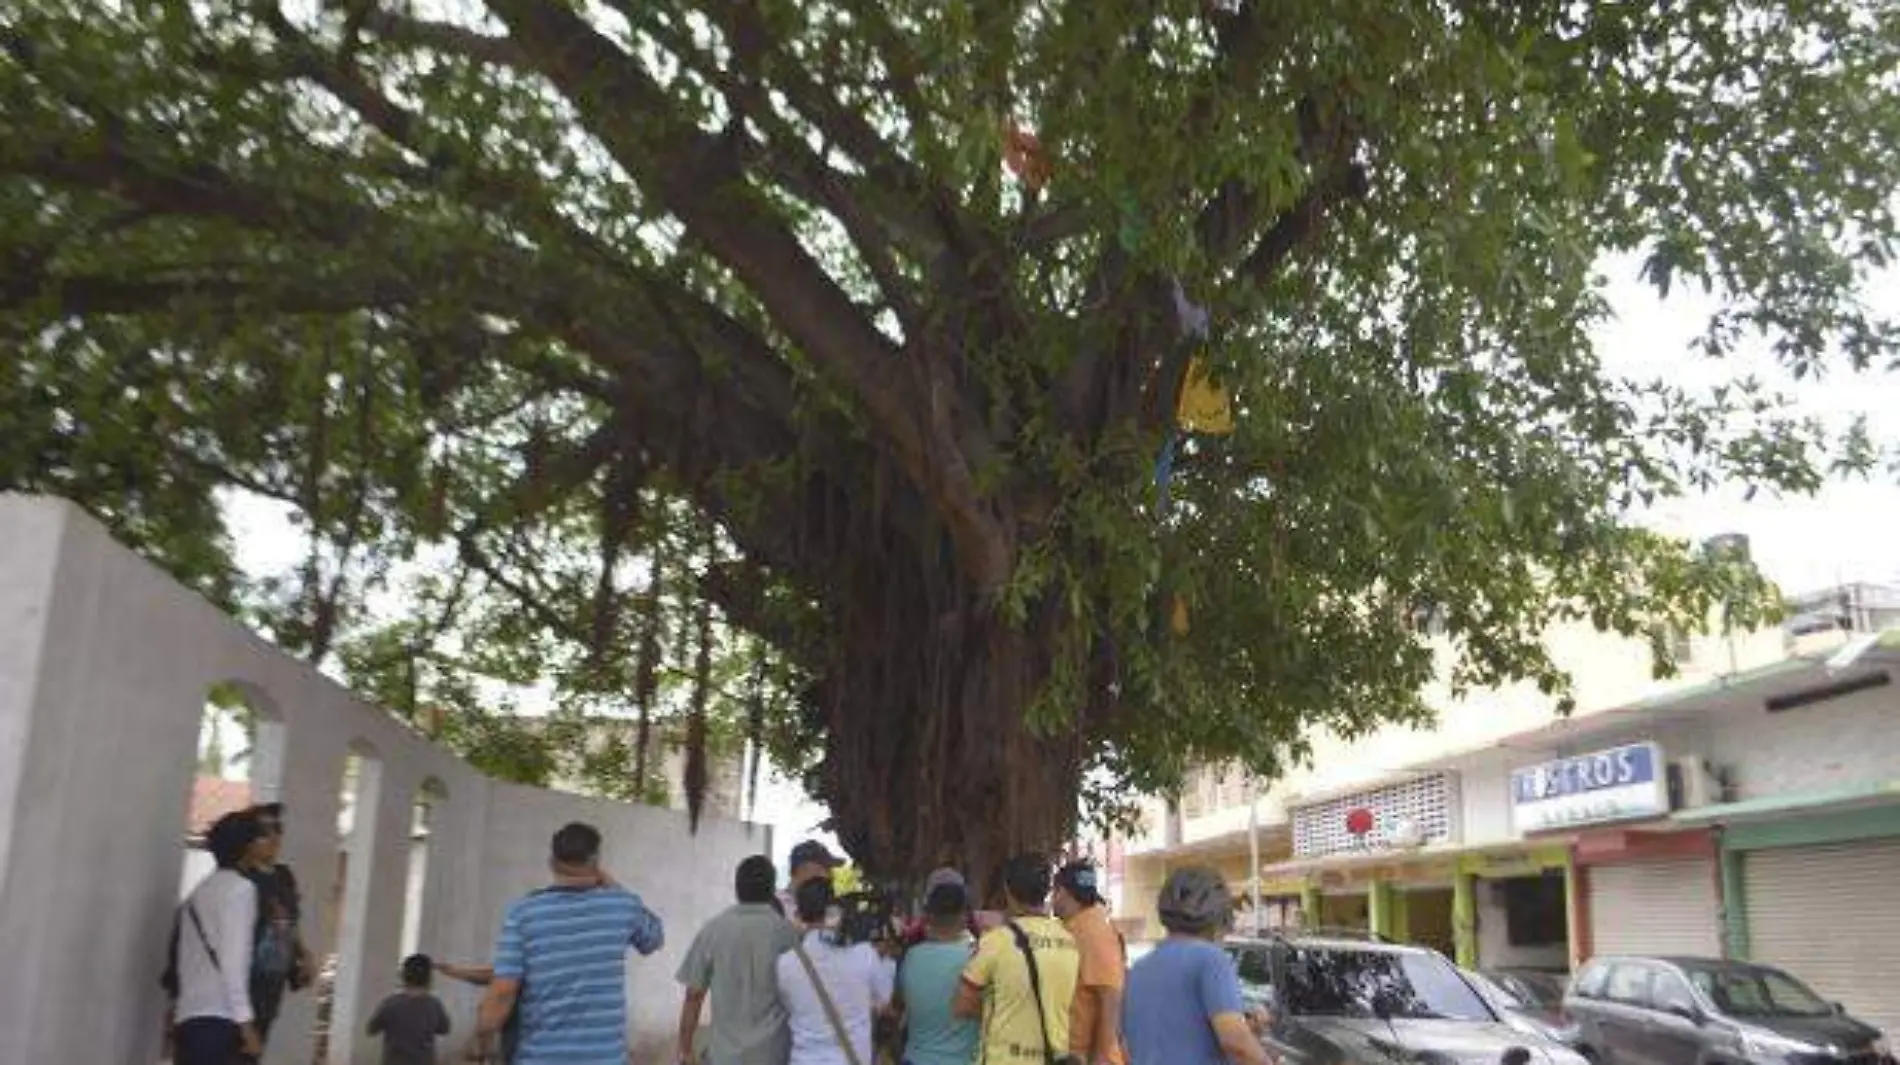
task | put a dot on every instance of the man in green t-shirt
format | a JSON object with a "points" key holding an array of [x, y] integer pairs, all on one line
{"points": [[734, 960], [997, 984]]}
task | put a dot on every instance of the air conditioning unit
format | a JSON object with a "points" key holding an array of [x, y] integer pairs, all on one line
{"points": [[1693, 782]]}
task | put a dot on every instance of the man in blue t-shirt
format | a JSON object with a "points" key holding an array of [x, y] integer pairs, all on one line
{"points": [[561, 961], [1183, 1004]]}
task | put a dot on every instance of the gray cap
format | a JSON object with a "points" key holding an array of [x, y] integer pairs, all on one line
{"points": [[1195, 900], [940, 877]]}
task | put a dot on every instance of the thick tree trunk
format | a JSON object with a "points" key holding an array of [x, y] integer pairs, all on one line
{"points": [[929, 760]]}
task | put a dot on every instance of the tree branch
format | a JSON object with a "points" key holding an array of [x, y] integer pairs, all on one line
{"points": [[1298, 223], [869, 217], [699, 178], [442, 37], [757, 47], [82, 296]]}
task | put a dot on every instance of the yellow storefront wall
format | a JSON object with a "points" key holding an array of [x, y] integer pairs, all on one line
{"points": [[1381, 880]]}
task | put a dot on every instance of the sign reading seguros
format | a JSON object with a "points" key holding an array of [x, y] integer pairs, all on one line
{"points": [[1618, 784]]}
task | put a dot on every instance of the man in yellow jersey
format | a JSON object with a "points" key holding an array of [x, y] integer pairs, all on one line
{"points": [[1022, 980]]}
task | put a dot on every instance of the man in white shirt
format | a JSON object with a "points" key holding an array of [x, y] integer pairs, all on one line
{"points": [[811, 860], [217, 926], [854, 977]]}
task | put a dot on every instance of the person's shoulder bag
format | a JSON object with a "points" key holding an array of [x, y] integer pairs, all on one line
{"points": [[830, 1007], [169, 978], [1049, 1052]]}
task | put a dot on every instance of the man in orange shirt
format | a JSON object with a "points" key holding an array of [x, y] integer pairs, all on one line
{"points": [[1096, 1016]]}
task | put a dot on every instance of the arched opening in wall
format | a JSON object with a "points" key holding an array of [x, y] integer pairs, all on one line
{"points": [[239, 735], [429, 796], [343, 899]]}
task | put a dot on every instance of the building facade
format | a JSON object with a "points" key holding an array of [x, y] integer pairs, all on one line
{"points": [[1749, 808]]}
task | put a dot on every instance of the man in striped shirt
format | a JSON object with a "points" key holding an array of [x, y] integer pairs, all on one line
{"points": [[561, 961]]}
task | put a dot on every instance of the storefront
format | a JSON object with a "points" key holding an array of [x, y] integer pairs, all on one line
{"points": [[1371, 859], [1389, 860], [1649, 893], [1642, 887], [1503, 905], [1813, 885]]}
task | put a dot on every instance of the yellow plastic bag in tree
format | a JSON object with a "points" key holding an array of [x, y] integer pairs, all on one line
{"points": [[1204, 406]]}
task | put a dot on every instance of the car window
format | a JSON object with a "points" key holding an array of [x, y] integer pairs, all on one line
{"points": [[1751, 992], [1368, 983], [1628, 984], [1542, 989], [1254, 969], [1591, 980], [1670, 992]]}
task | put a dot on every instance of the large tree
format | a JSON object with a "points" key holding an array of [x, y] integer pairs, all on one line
{"points": [[875, 317]]}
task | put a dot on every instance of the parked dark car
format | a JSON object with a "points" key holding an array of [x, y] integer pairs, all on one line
{"points": [[1702, 1011], [1335, 1000], [1529, 1001]]}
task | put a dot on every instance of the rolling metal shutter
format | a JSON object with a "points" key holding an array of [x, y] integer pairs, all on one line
{"points": [[1651, 908], [1830, 915]]}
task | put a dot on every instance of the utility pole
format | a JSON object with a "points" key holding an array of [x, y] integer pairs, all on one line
{"points": [[1253, 851]]}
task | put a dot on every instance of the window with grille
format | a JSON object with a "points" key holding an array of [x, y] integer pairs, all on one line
{"points": [[1426, 801]]}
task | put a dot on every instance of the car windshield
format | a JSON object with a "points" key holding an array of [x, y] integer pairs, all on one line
{"points": [[1366, 983], [1750, 992], [1498, 988]]}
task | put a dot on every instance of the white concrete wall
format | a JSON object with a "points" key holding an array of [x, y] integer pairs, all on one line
{"points": [[1841, 742], [104, 666]]}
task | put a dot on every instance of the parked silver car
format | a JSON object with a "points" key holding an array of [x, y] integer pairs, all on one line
{"points": [[1336, 999], [1699, 1011]]}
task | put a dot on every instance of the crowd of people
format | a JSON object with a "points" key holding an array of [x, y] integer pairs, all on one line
{"points": [[1039, 978]]}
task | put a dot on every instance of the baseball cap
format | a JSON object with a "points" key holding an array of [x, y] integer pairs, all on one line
{"points": [[939, 877], [1079, 879], [812, 852]]}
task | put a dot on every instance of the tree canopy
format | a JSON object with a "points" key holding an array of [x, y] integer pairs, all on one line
{"points": [[830, 353]]}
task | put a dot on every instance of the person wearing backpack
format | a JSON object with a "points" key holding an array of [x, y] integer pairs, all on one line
{"points": [[208, 972], [1021, 982]]}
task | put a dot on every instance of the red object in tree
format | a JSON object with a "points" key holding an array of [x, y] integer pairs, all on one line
{"points": [[1359, 821], [1024, 155]]}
